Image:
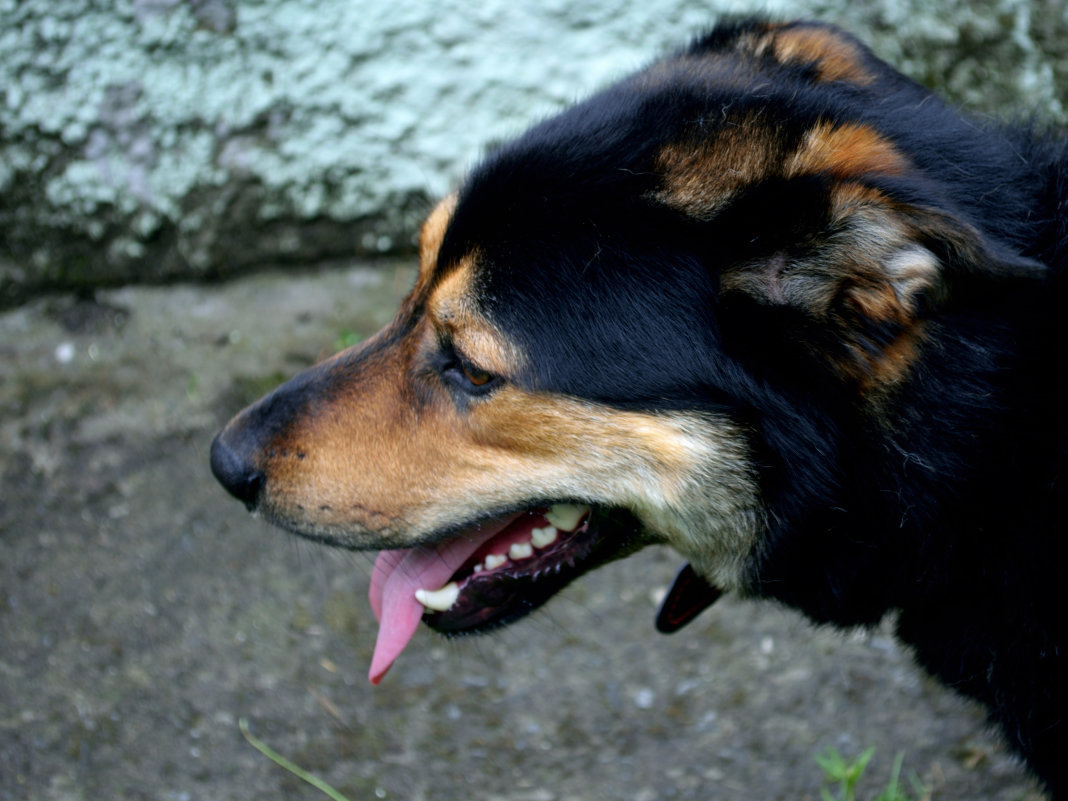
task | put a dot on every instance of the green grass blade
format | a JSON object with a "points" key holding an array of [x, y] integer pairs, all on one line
{"points": [[282, 762]]}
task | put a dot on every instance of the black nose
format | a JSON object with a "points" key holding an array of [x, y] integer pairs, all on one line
{"points": [[241, 479]]}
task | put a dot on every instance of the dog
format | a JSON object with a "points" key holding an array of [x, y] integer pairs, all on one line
{"points": [[767, 301]]}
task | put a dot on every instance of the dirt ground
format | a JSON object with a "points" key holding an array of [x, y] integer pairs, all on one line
{"points": [[143, 613]]}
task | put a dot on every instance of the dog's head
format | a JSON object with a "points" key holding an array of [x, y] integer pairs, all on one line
{"points": [[620, 324]]}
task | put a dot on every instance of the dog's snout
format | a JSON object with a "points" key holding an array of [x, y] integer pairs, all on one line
{"points": [[235, 472]]}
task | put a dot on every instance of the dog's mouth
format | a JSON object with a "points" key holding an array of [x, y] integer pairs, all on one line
{"points": [[491, 574]]}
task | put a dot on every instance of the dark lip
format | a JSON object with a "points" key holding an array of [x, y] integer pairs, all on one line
{"points": [[342, 538], [493, 600]]}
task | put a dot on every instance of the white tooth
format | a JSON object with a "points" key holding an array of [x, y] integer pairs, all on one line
{"points": [[493, 561], [439, 600], [566, 516], [542, 537], [479, 567], [521, 550]]}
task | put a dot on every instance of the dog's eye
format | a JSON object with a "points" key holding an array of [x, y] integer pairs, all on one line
{"points": [[466, 376], [476, 376]]}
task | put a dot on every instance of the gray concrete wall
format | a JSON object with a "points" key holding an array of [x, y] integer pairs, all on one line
{"points": [[159, 139]]}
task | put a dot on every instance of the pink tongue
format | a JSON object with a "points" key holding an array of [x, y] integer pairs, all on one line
{"points": [[396, 577]]}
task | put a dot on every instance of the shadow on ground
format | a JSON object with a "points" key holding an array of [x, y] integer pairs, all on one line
{"points": [[143, 613]]}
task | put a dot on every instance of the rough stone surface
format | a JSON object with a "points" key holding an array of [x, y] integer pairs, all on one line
{"points": [[143, 613], [145, 140]]}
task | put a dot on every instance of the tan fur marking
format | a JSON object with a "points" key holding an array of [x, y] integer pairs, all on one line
{"points": [[868, 272], [700, 177], [687, 477], [845, 151], [878, 374], [902, 276], [430, 238], [452, 307], [835, 58]]}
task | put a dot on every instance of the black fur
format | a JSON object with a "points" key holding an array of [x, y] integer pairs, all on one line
{"points": [[944, 500]]}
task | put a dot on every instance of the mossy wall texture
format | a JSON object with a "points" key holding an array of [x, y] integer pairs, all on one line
{"points": [[160, 139]]}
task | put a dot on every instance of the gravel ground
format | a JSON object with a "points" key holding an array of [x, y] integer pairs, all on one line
{"points": [[143, 613]]}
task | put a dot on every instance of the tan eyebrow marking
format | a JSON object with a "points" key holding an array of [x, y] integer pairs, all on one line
{"points": [[431, 236], [453, 308]]}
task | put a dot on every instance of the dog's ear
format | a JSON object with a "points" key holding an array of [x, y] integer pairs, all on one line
{"points": [[852, 276], [832, 54], [826, 52], [811, 235]]}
